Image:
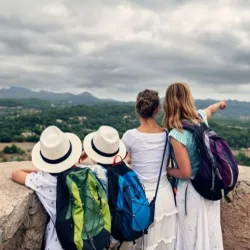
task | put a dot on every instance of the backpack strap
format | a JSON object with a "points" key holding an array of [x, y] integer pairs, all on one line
{"points": [[113, 174], [174, 185], [197, 132], [171, 158], [162, 162], [173, 180]]}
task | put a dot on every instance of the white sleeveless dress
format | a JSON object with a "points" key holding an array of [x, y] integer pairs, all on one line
{"points": [[146, 156], [200, 228]]}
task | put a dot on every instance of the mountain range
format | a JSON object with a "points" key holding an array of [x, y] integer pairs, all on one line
{"points": [[235, 108], [23, 93]]}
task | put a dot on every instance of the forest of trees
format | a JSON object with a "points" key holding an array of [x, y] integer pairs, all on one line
{"points": [[77, 119], [71, 119], [20, 126]]}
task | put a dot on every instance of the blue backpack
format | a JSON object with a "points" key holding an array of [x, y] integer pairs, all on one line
{"points": [[131, 212]]}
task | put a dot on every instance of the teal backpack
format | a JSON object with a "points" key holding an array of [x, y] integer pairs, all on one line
{"points": [[83, 220]]}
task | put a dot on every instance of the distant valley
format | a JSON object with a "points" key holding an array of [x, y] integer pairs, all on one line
{"points": [[24, 114], [17, 96]]}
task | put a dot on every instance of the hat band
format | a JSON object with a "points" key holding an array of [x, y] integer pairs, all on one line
{"points": [[101, 153], [59, 160]]}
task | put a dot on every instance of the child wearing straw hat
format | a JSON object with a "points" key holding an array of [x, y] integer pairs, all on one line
{"points": [[102, 147], [54, 153]]}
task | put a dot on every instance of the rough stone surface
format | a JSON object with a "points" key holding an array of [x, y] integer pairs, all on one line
{"points": [[235, 215], [23, 219]]}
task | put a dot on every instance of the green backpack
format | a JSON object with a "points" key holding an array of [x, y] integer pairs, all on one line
{"points": [[83, 218]]}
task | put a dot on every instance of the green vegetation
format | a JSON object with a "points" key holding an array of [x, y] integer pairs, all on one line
{"points": [[4, 159], [13, 149], [78, 119], [84, 119], [242, 159], [235, 132], [20, 159], [28, 103], [24, 124]]}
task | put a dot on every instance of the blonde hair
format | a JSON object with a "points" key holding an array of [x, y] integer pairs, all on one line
{"points": [[179, 105]]}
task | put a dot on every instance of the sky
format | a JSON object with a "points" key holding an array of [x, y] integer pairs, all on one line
{"points": [[114, 49]]}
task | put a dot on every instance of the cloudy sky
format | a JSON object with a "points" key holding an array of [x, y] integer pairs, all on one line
{"points": [[115, 48]]}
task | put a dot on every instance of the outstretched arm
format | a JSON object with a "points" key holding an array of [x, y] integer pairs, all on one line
{"points": [[20, 175], [184, 170], [212, 109]]}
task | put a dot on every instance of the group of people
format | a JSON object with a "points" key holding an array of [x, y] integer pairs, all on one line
{"points": [[183, 219]]}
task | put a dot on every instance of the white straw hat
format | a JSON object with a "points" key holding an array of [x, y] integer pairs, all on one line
{"points": [[104, 145], [56, 151]]}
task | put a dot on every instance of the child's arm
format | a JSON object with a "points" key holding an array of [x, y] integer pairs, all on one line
{"points": [[20, 175]]}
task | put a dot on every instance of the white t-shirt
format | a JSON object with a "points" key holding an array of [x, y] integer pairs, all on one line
{"points": [[146, 153], [44, 185]]}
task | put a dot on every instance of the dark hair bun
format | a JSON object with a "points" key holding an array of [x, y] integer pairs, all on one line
{"points": [[147, 102], [142, 107]]}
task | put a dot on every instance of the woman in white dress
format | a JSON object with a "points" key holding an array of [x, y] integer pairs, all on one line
{"points": [[146, 146], [200, 228]]}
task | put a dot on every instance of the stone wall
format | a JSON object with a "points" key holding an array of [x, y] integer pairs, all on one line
{"points": [[22, 217], [236, 215]]}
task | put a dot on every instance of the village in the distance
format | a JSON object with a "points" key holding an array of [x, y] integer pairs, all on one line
{"points": [[25, 113]]}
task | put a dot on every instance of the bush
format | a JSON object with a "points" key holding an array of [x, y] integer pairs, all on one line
{"points": [[4, 159], [243, 159], [13, 149], [5, 138], [19, 138], [20, 159], [33, 138]]}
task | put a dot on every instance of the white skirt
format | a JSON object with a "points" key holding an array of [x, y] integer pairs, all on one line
{"points": [[162, 234], [201, 228]]}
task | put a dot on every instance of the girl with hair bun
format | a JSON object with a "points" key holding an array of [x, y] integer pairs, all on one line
{"points": [[146, 147]]}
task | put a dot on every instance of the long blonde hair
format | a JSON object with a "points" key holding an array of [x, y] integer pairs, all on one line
{"points": [[179, 105]]}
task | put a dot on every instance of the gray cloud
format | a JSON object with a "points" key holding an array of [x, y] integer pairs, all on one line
{"points": [[116, 49]]}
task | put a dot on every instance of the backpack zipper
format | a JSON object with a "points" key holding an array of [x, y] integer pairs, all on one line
{"points": [[99, 196]]}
